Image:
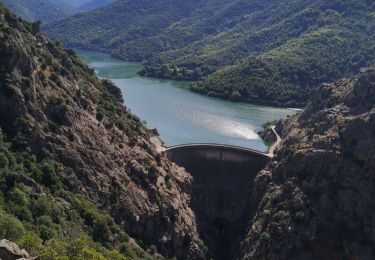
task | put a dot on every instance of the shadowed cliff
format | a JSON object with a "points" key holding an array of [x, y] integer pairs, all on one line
{"points": [[315, 200]]}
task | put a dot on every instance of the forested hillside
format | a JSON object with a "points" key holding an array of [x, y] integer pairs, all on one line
{"points": [[44, 10], [79, 177], [72, 3], [339, 41], [271, 52], [49, 11], [93, 4], [145, 23]]}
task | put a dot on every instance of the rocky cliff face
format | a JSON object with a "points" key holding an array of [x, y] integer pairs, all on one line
{"points": [[53, 104], [11, 251], [316, 199], [313, 201]]}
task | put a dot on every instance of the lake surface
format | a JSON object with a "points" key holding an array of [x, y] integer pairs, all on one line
{"points": [[180, 115]]}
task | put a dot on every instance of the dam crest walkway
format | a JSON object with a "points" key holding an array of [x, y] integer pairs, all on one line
{"points": [[270, 151], [218, 147]]}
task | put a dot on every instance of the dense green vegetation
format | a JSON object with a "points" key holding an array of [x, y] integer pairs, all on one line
{"points": [[92, 4], [49, 11], [286, 75], [39, 208], [71, 3], [271, 52], [168, 71], [33, 10], [40, 212]]}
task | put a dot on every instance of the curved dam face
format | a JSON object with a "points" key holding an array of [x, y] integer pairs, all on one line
{"points": [[222, 180]]}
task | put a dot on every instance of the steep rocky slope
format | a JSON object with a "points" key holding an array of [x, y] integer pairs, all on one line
{"points": [[54, 109], [316, 199], [75, 165]]}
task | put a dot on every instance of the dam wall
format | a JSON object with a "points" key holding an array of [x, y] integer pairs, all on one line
{"points": [[222, 180]]}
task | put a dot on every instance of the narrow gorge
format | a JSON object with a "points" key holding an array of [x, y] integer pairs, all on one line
{"points": [[312, 200], [80, 177], [222, 180]]}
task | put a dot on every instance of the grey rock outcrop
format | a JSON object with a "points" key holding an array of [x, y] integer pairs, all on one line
{"points": [[267, 134], [316, 199], [11, 251]]}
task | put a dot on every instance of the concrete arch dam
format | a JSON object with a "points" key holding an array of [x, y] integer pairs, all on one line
{"points": [[222, 180]]}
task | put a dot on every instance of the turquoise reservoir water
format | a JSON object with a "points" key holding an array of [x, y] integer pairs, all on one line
{"points": [[180, 115]]}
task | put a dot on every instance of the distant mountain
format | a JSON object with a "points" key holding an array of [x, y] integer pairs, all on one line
{"points": [[268, 52], [71, 3], [137, 30], [93, 4], [45, 10], [83, 5], [81, 179], [51, 10]]}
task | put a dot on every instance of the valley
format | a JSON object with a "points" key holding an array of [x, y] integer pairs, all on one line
{"points": [[180, 115], [260, 52], [153, 144]]}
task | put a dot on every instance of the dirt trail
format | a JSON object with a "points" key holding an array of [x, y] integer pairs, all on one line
{"points": [[273, 147]]}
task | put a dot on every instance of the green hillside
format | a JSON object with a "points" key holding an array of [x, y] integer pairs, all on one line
{"points": [[44, 10], [246, 44], [93, 4], [130, 35], [72, 3]]}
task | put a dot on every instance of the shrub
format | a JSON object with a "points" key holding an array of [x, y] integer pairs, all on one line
{"points": [[127, 250], [57, 110], [44, 205], [101, 229], [18, 196], [235, 95], [99, 116], [90, 253], [52, 127], [31, 242], [115, 255], [10, 227], [23, 213], [152, 168], [71, 136], [45, 220], [49, 177], [36, 27], [152, 250], [54, 77], [3, 160], [46, 233]]}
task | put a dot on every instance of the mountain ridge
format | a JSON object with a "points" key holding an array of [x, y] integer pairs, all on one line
{"points": [[235, 49], [80, 178], [34, 10], [93, 4]]}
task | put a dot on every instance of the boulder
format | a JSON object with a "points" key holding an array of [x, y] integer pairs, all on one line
{"points": [[11, 251]]}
